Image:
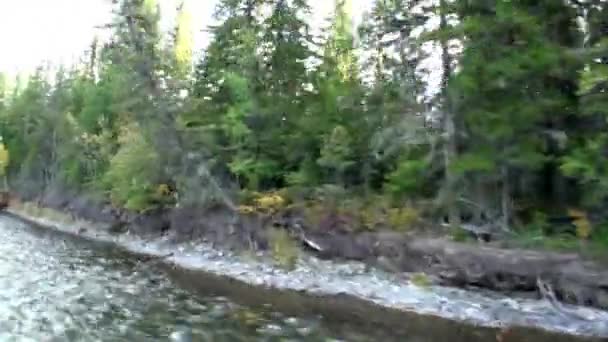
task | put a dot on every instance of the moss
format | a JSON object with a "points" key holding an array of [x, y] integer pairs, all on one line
{"points": [[421, 280], [459, 235]]}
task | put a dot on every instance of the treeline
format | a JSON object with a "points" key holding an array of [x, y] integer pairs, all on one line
{"points": [[518, 125]]}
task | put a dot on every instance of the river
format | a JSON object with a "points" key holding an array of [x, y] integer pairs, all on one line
{"points": [[54, 287]]}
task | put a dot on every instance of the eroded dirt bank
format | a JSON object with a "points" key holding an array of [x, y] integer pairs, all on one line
{"points": [[574, 280]]}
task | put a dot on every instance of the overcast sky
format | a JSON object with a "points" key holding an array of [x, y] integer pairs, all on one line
{"points": [[34, 31]]}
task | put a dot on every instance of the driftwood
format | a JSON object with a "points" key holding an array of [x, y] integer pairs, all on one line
{"points": [[548, 294]]}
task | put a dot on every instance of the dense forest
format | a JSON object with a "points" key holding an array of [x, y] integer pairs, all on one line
{"points": [[516, 133]]}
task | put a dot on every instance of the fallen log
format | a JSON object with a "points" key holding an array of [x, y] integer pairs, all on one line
{"points": [[573, 279]]}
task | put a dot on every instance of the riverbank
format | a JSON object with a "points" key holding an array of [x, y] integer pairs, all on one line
{"points": [[435, 258], [339, 282]]}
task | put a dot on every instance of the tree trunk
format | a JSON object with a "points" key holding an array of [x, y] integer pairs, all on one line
{"points": [[478, 210], [449, 125], [505, 199]]}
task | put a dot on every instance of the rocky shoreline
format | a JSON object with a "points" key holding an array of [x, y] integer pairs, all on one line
{"points": [[573, 279], [354, 279]]}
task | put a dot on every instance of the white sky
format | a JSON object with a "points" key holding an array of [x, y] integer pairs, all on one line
{"points": [[59, 31]]}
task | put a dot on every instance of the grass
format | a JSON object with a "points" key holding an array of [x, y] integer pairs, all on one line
{"points": [[33, 210], [421, 280], [596, 247], [285, 250]]}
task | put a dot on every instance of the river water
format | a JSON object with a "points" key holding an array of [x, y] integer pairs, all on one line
{"points": [[54, 287]]}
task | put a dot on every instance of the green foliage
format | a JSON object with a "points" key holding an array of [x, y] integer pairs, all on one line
{"points": [[133, 172], [271, 107], [336, 153], [407, 179], [460, 235]]}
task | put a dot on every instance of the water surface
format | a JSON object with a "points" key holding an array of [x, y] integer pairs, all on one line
{"points": [[54, 287]]}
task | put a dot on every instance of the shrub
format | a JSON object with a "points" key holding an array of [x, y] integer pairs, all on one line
{"points": [[285, 251], [4, 159], [405, 180], [403, 218], [581, 222], [246, 209], [459, 235], [270, 202], [133, 172]]}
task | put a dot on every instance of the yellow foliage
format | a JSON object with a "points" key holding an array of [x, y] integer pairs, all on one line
{"points": [[581, 222], [403, 218], [369, 216], [163, 190], [246, 209], [270, 202], [266, 203], [4, 159]]}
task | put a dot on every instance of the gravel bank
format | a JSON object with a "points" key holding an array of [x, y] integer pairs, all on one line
{"points": [[324, 277]]}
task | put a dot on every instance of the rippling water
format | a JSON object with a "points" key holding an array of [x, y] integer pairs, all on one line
{"points": [[53, 288]]}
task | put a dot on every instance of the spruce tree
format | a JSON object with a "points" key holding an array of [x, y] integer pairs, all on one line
{"points": [[514, 93]]}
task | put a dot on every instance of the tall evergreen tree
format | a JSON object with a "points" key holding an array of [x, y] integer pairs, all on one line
{"points": [[393, 103], [515, 96], [584, 161]]}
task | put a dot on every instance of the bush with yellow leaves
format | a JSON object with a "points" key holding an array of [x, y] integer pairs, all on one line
{"points": [[403, 218], [581, 222], [4, 160], [267, 203], [270, 202]]}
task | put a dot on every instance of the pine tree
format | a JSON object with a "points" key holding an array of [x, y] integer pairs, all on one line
{"points": [[512, 96], [226, 81], [338, 97], [286, 49], [393, 101], [584, 161]]}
